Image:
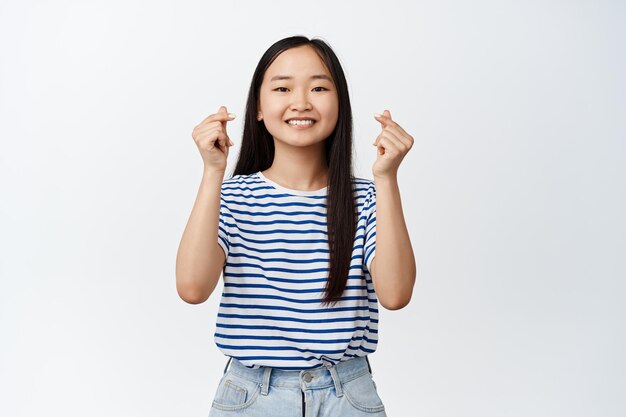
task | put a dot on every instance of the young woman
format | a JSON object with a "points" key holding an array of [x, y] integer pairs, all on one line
{"points": [[295, 235]]}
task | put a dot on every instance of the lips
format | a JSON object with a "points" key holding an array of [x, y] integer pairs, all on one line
{"points": [[304, 124], [301, 126], [300, 118]]}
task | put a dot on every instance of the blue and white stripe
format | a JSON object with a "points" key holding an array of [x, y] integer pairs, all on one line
{"points": [[276, 245]]}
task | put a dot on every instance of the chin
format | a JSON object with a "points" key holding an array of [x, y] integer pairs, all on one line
{"points": [[301, 144], [299, 138]]}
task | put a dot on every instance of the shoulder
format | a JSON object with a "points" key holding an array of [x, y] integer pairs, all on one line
{"points": [[236, 191], [240, 179], [362, 182], [365, 194], [364, 187], [239, 183]]}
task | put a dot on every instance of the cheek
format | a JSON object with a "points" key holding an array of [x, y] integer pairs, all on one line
{"points": [[274, 108], [331, 110], [332, 114]]}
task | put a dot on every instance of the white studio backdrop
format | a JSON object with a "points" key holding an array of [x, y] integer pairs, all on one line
{"points": [[514, 195]]}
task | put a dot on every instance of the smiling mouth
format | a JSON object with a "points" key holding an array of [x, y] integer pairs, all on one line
{"points": [[301, 124]]}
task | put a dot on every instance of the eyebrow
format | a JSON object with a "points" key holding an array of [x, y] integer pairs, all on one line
{"points": [[313, 77]]}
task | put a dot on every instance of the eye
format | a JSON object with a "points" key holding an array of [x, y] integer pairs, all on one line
{"points": [[285, 88]]}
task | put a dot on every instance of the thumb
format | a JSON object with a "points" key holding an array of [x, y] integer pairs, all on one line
{"points": [[222, 109]]}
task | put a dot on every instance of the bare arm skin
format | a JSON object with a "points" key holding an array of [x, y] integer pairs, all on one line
{"points": [[393, 267], [200, 258]]}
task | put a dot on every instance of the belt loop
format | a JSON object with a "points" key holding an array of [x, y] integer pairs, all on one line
{"points": [[227, 363], [368, 365], [265, 385], [336, 380]]}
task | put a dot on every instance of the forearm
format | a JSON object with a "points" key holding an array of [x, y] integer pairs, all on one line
{"points": [[197, 271], [395, 261]]}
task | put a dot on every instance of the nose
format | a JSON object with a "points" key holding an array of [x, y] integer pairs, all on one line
{"points": [[300, 101]]}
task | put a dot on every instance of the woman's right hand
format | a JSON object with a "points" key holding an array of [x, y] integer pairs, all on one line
{"points": [[213, 141]]}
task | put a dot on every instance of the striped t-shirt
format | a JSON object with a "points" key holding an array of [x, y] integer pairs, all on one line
{"points": [[277, 263]]}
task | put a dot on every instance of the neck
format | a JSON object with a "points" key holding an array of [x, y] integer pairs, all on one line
{"points": [[299, 168]]}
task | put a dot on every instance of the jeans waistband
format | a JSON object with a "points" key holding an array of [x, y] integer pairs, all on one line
{"points": [[307, 379]]}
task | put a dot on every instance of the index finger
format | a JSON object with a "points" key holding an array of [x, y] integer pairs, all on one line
{"points": [[220, 116], [393, 124]]}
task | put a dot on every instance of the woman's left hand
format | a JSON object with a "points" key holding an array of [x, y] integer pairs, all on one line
{"points": [[393, 144]]}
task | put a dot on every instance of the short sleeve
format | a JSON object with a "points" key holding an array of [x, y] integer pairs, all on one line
{"points": [[224, 228], [369, 250]]}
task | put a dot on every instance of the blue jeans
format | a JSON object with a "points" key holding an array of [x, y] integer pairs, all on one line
{"points": [[346, 389]]}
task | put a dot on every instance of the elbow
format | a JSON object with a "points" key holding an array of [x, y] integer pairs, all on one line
{"points": [[194, 287], [400, 300], [396, 305], [192, 298], [191, 295]]}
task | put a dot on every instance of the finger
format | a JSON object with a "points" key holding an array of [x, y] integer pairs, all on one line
{"points": [[206, 130], [391, 140], [211, 131], [216, 138], [223, 110], [399, 133], [388, 144], [380, 148], [392, 136], [387, 122], [383, 120], [399, 128], [219, 116], [231, 116]]}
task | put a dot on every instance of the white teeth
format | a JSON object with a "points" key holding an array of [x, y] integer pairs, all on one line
{"points": [[300, 122]]}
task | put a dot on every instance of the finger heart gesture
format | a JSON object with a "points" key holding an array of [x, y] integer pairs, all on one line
{"points": [[393, 143]]}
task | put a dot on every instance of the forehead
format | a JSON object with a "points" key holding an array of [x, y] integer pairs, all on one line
{"points": [[300, 62]]}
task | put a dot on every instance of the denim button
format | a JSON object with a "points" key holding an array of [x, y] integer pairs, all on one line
{"points": [[307, 377]]}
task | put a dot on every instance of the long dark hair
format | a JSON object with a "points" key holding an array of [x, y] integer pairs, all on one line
{"points": [[257, 154]]}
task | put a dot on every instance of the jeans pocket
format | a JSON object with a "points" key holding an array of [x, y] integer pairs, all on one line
{"points": [[235, 393], [362, 394]]}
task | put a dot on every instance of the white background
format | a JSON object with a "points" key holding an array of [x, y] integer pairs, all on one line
{"points": [[514, 194]]}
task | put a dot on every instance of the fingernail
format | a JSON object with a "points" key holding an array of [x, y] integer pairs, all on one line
{"points": [[377, 115], [231, 142], [231, 115]]}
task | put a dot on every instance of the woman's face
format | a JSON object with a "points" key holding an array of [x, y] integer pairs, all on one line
{"points": [[309, 93]]}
